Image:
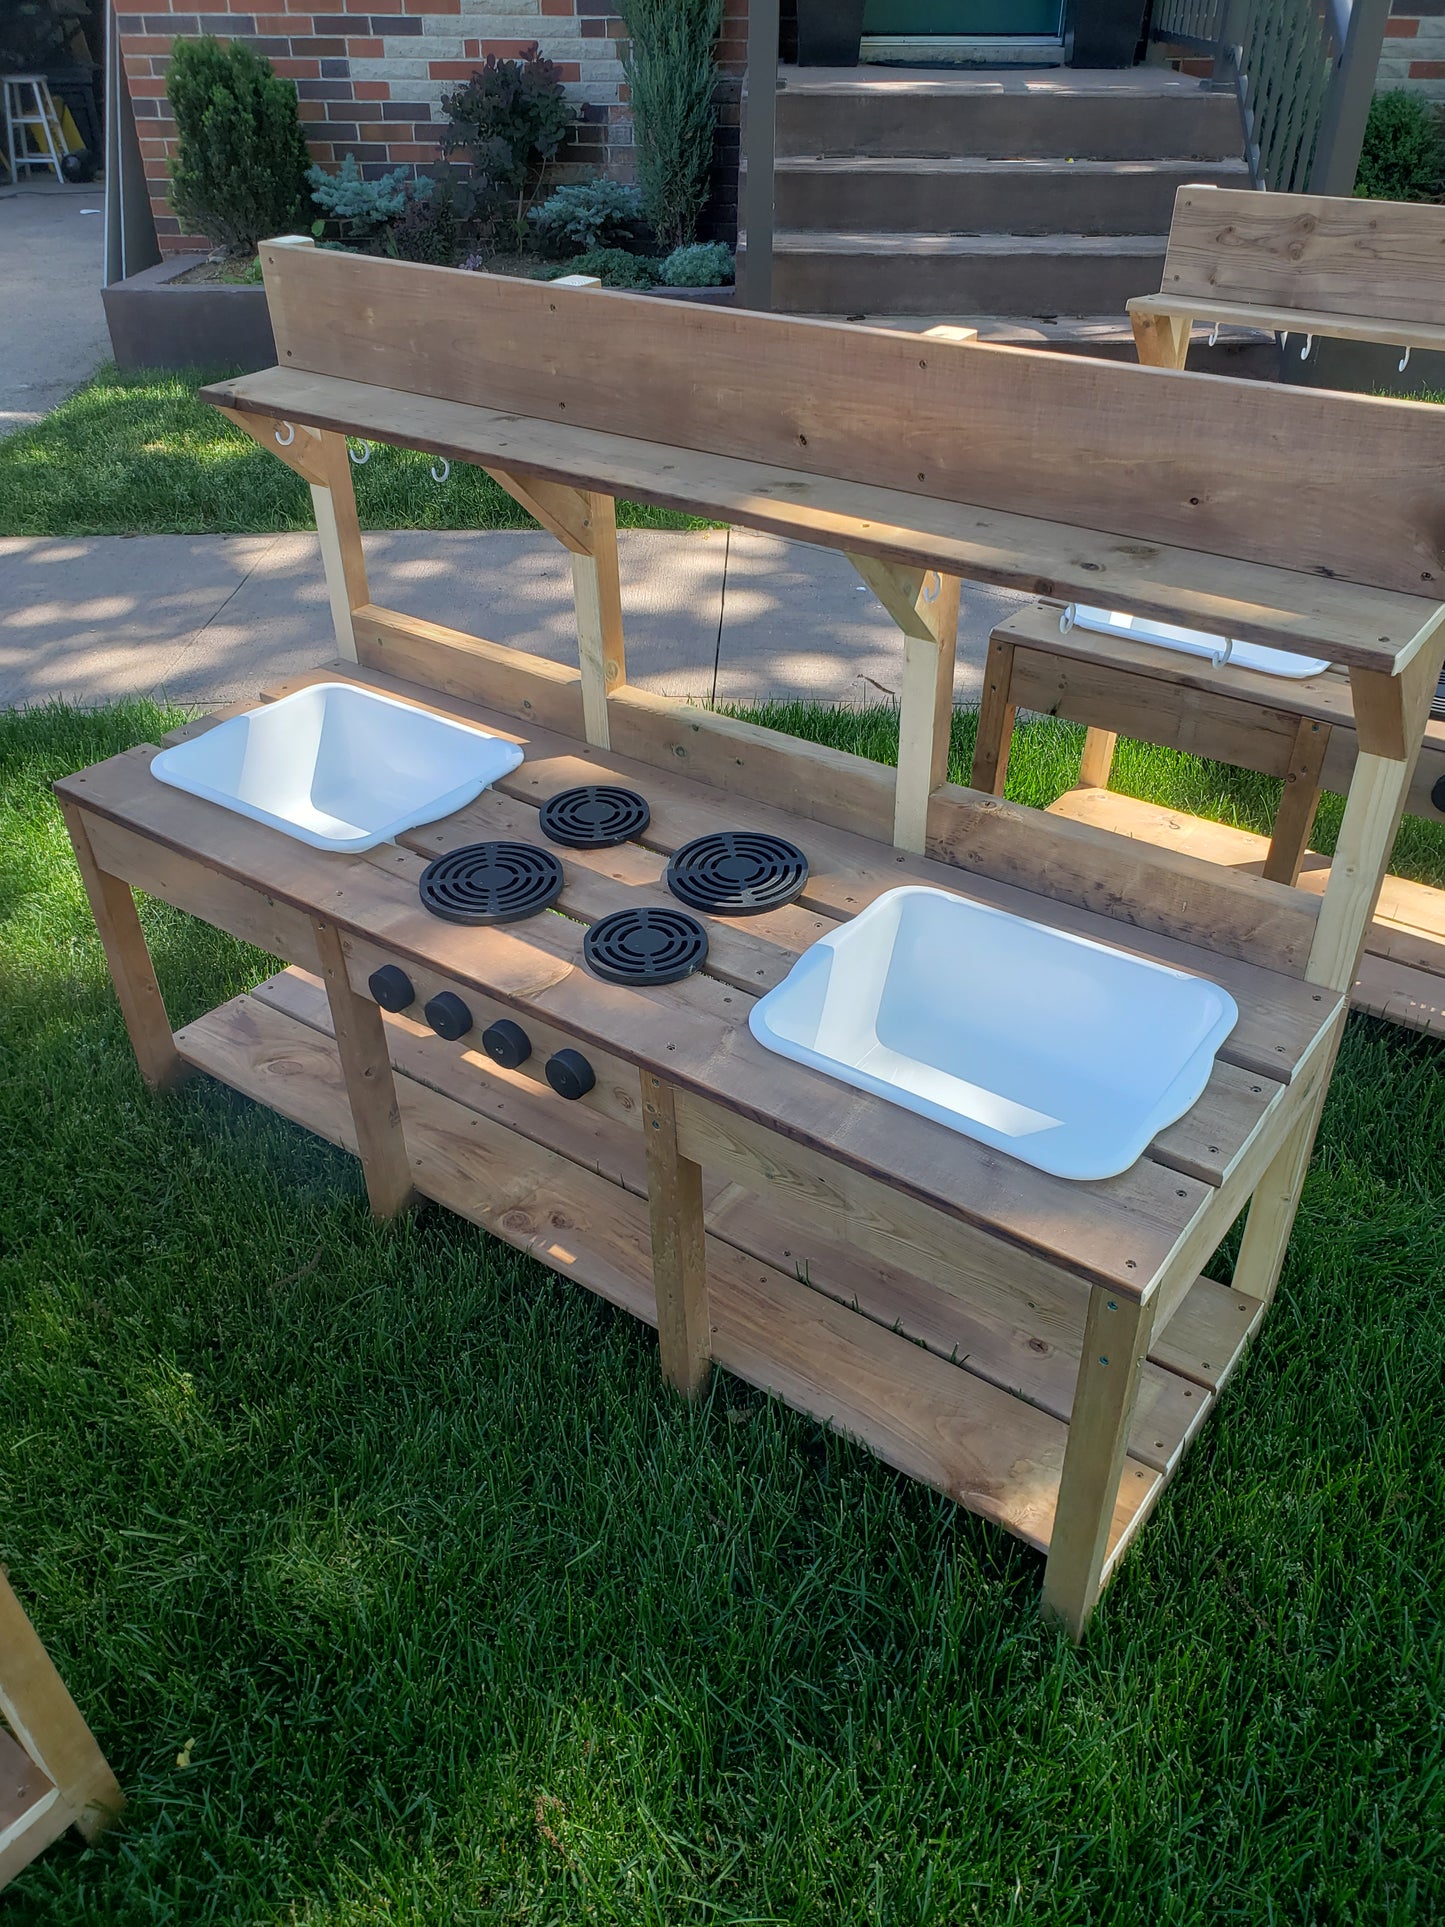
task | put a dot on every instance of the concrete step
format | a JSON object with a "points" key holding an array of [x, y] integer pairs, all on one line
{"points": [[970, 195], [1138, 114], [891, 273]]}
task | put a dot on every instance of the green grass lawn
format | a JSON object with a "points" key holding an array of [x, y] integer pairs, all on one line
{"points": [[139, 455], [459, 1617]]}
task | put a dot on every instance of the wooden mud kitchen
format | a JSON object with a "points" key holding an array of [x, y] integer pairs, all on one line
{"points": [[589, 1007]]}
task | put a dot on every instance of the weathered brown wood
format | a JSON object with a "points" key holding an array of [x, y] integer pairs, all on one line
{"points": [[1002, 428], [996, 717], [1310, 614], [1151, 310], [128, 955], [32, 1813], [1296, 814], [339, 533], [449, 662], [679, 1257], [370, 1087], [1308, 252], [564, 512], [49, 1725]]}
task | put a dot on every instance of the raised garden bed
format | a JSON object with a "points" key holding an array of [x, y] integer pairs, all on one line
{"points": [[164, 318]]}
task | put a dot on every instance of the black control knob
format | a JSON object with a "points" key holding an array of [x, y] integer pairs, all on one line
{"points": [[448, 1016], [1437, 794], [506, 1043], [391, 987], [569, 1074]]}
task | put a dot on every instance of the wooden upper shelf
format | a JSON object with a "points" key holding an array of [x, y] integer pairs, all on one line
{"points": [[1308, 614]]}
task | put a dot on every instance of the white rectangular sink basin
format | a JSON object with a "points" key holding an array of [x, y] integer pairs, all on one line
{"points": [[1066, 1053], [1193, 642], [339, 767]]}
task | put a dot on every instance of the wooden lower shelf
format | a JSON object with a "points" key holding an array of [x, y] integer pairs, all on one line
{"points": [[1402, 973], [928, 1382]]}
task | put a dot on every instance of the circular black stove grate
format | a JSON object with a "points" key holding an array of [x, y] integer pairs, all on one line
{"points": [[491, 883], [594, 817], [737, 873], [644, 946]]}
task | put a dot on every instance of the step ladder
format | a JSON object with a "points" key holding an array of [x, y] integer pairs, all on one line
{"points": [[40, 113]]}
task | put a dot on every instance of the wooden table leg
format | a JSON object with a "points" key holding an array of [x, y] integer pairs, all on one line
{"points": [[597, 593], [1097, 761], [996, 717], [131, 970], [370, 1083], [679, 1254], [1116, 1341], [1296, 817]]}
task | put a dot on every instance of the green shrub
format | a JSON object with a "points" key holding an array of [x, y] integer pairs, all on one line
{"points": [[364, 208], [672, 82], [1403, 156], [239, 174], [588, 214], [701, 264], [509, 119], [614, 266]]}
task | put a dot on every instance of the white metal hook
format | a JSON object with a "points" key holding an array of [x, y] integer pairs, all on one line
{"points": [[446, 469], [932, 595], [1214, 336], [1284, 340], [364, 456], [1404, 361], [1304, 353], [285, 441]]}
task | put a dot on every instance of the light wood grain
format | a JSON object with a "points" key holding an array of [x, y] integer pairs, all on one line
{"points": [[1116, 1342], [679, 1258], [1310, 253], [996, 717], [339, 534], [449, 662], [1289, 840], [1292, 608], [126, 952]]}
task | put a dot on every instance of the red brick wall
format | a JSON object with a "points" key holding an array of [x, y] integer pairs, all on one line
{"points": [[1413, 56], [370, 83]]}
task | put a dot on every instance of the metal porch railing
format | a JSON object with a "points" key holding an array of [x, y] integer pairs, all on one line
{"points": [[1303, 72]]}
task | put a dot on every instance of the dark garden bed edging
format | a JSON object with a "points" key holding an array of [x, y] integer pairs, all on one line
{"points": [[207, 324]]}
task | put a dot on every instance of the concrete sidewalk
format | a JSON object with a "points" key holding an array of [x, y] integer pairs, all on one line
{"points": [[52, 324], [721, 614]]}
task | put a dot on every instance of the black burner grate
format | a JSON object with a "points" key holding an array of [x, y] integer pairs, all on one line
{"points": [[491, 883], [737, 873], [594, 817], [644, 946]]}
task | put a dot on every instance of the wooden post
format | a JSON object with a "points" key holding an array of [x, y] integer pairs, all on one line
{"points": [[1097, 760], [370, 1084], [597, 593], [1296, 816], [1276, 1199], [928, 618], [679, 1251], [1162, 340], [585, 523], [48, 1725], [1116, 1341], [340, 535], [131, 970], [995, 721]]}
